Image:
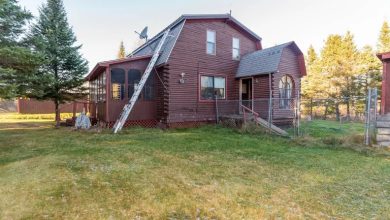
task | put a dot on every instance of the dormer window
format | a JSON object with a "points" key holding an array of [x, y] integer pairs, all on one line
{"points": [[211, 42], [236, 48]]}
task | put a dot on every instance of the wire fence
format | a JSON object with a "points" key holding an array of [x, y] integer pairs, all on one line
{"points": [[274, 114], [293, 114]]}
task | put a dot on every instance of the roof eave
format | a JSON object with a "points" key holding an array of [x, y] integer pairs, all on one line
{"points": [[383, 56]]}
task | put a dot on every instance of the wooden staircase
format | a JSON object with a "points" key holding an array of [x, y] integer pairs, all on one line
{"points": [[383, 130]]}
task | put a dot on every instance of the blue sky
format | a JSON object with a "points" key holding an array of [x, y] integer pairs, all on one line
{"points": [[100, 25]]}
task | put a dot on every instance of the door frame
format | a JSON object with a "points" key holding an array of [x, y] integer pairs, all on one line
{"points": [[240, 92]]}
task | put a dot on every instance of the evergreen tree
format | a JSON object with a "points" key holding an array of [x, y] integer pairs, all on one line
{"points": [[384, 38], [17, 61], [61, 75], [312, 82], [369, 69], [122, 51]]}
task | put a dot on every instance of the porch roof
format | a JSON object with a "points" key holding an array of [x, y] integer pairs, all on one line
{"points": [[101, 66], [264, 61]]}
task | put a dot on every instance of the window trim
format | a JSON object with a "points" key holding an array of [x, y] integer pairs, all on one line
{"points": [[200, 84], [239, 48], [215, 42]]}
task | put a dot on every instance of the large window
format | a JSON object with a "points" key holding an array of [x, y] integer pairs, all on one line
{"points": [[285, 89], [133, 78], [211, 87], [236, 48], [211, 42], [117, 83]]}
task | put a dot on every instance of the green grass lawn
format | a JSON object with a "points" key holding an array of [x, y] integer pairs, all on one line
{"points": [[208, 172]]}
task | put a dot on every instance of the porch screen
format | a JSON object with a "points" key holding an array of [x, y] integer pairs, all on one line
{"points": [[133, 78], [148, 89], [117, 83], [212, 86]]}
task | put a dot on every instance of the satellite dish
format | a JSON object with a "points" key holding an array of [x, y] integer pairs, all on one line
{"points": [[143, 34]]}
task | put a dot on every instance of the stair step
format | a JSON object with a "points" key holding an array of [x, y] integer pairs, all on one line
{"points": [[383, 124], [384, 143], [384, 131], [382, 137]]}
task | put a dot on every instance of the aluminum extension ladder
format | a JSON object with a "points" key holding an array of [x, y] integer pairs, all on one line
{"points": [[129, 106]]}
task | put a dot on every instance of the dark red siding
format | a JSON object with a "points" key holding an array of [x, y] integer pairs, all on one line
{"points": [[385, 102], [189, 57]]}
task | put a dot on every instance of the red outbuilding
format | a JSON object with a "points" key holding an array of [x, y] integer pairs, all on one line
{"points": [[385, 102]]}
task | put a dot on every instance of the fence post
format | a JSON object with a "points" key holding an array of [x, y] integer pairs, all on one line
{"points": [[270, 111], [299, 112], [216, 109], [367, 125], [375, 109]]}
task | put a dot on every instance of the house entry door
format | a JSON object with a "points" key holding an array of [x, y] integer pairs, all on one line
{"points": [[246, 92]]}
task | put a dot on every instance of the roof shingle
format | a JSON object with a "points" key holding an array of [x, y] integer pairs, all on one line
{"points": [[262, 61]]}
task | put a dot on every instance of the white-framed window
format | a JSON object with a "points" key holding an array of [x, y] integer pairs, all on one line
{"points": [[285, 89], [211, 42], [212, 86], [236, 48]]}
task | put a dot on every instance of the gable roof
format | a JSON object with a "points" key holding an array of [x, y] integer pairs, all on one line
{"points": [[263, 61], [174, 33]]}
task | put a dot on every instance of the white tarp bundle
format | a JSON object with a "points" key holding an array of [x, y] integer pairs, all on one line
{"points": [[83, 122]]}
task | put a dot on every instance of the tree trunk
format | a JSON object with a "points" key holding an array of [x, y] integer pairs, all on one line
{"points": [[337, 111], [57, 112], [326, 110], [311, 108], [348, 109]]}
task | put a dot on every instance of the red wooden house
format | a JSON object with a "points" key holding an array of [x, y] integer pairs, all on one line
{"points": [[204, 56]]}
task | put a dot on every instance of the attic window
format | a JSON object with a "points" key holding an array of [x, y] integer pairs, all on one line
{"points": [[236, 48], [211, 42]]}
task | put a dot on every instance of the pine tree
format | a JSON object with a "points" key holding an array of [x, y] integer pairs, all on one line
{"points": [[122, 51], [17, 61], [384, 38], [61, 75]]}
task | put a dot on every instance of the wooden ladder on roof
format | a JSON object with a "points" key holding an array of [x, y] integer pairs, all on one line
{"points": [[129, 106]]}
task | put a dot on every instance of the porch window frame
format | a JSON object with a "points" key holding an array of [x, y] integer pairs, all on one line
{"points": [[200, 98], [122, 86]]}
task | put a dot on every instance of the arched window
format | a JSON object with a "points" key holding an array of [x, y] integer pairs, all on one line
{"points": [[133, 78], [118, 83], [285, 90]]}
